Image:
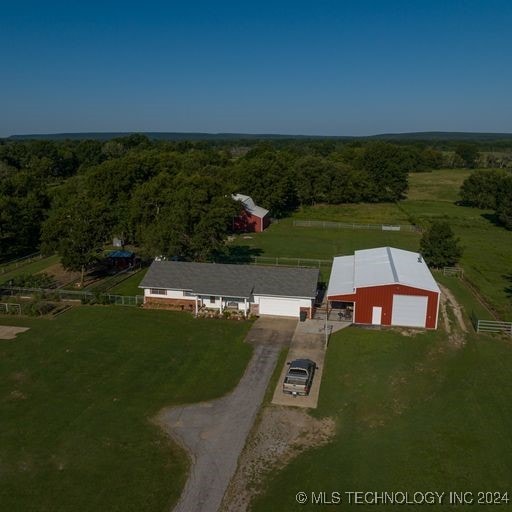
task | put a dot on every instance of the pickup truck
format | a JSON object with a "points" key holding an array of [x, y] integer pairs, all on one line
{"points": [[299, 377]]}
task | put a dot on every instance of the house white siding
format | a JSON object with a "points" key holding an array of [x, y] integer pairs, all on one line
{"points": [[169, 294]]}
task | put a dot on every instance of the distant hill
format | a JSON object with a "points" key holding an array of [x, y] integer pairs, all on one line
{"points": [[178, 136]]}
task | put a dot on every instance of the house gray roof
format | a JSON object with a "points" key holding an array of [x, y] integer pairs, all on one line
{"points": [[231, 280]]}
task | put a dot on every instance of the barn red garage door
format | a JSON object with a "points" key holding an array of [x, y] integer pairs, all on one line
{"points": [[409, 310]]}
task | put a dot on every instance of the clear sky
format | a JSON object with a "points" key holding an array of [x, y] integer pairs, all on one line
{"points": [[315, 67]]}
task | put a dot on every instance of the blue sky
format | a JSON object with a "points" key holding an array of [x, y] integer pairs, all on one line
{"points": [[318, 67]]}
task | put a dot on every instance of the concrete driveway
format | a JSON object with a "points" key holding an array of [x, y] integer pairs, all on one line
{"points": [[308, 343], [214, 433]]}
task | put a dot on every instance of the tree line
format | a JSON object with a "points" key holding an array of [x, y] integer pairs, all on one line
{"points": [[174, 198], [490, 190]]}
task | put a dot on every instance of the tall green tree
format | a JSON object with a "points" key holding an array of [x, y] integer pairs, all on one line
{"points": [[439, 246], [468, 153], [77, 231], [504, 202], [387, 168], [482, 187]]}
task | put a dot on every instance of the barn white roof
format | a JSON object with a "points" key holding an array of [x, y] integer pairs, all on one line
{"points": [[377, 267], [250, 205]]}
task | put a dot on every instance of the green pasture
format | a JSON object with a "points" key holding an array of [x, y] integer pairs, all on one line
{"points": [[412, 414], [77, 395]]}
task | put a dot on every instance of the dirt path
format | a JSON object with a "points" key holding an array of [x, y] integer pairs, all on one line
{"points": [[282, 433], [456, 333], [214, 433]]}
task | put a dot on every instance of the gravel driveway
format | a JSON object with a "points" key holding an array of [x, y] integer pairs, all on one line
{"points": [[215, 432]]}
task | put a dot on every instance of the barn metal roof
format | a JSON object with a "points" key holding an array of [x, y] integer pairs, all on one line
{"points": [[250, 205], [232, 280], [380, 266]]}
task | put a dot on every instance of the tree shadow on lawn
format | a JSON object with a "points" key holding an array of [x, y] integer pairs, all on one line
{"points": [[238, 254], [493, 219]]}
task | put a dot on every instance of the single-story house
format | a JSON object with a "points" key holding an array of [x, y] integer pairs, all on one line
{"points": [[252, 218], [260, 290], [385, 286]]}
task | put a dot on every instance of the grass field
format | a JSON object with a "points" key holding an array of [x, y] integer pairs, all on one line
{"points": [[30, 268], [76, 395], [129, 286], [283, 239], [412, 414], [365, 213]]}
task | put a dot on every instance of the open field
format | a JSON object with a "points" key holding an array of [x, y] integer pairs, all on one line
{"points": [[365, 213], [76, 396], [440, 185], [412, 414], [283, 239]]}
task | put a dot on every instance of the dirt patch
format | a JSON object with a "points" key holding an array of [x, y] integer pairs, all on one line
{"points": [[456, 329], [60, 275], [281, 434], [9, 332]]}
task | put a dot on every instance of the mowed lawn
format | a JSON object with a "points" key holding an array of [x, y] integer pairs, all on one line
{"points": [[76, 397], [130, 286], [284, 239], [412, 414]]}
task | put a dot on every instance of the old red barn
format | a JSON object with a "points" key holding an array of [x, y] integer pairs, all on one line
{"points": [[385, 286], [252, 218]]}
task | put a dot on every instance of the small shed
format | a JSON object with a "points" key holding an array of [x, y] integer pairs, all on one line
{"points": [[385, 286], [121, 259]]}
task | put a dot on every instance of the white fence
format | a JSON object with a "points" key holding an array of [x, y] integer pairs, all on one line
{"points": [[352, 225], [10, 307], [290, 262], [494, 326]]}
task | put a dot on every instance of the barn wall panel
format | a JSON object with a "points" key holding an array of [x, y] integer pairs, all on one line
{"points": [[368, 297]]}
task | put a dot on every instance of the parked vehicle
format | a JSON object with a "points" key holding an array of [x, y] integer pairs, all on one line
{"points": [[299, 377]]}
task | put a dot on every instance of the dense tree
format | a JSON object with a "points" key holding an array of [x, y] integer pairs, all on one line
{"points": [[481, 188], [76, 230], [504, 202], [468, 153], [387, 169], [439, 246]]}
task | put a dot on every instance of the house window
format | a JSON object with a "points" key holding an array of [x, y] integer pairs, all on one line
{"points": [[213, 299], [157, 291]]}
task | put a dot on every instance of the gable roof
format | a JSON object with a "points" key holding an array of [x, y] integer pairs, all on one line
{"points": [[232, 280], [250, 205], [377, 267]]}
